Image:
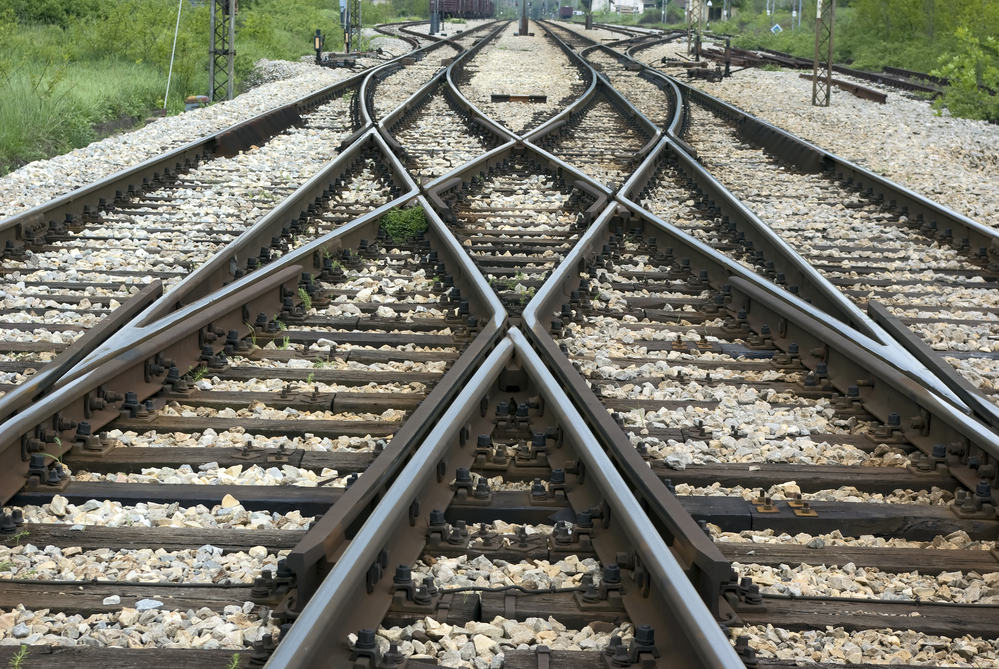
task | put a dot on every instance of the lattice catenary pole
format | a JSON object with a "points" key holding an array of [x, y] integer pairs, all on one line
{"points": [[354, 33], [694, 10], [222, 50], [825, 13]]}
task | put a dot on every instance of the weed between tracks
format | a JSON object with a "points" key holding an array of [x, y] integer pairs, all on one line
{"points": [[401, 224], [16, 661]]}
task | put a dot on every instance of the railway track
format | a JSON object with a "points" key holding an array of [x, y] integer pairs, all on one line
{"points": [[650, 92], [530, 66], [561, 387], [938, 285]]}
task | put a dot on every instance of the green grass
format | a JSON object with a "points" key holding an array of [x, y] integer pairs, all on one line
{"points": [[48, 110], [68, 66], [400, 224]]}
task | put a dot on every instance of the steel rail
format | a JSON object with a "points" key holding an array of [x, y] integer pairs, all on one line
{"points": [[796, 270], [317, 551], [704, 563], [695, 620], [440, 80], [395, 65], [227, 142], [341, 604], [666, 38], [456, 69], [982, 406], [223, 268], [888, 347], [309, 642], [624, 106], [52, 373], [412, 41], [626, 109], [830, 298], [668, 87], [810, 158], [462, 176], [586, 70], [220, 269], [122, 357], [657, 78], [887, 385], [815, 286], [307, 254]]}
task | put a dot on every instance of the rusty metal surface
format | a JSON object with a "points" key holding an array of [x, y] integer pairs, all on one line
{"points": [[797, 271], [228, 141], [685, 633], [53, 373], [313, 557], [856, 90]]}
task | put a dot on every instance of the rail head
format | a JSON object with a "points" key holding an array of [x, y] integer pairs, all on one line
{"points": [[350, 597], [25, 227], [134, 359], [890, 380]]}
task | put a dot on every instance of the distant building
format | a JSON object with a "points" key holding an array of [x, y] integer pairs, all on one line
{"points": [[623, 6]]}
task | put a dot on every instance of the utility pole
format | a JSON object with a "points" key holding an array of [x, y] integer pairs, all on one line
{"points": [[523, 18], [222, 50], [825, 14]]}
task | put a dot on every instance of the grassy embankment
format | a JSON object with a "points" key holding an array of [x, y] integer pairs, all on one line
{"points": [[69, 65]]}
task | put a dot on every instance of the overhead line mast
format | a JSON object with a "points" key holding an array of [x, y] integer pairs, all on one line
{"points": [[222, 50], [825, 14]]}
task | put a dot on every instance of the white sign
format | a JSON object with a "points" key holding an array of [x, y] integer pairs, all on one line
{"points": [[794, 12], [776, 29]]}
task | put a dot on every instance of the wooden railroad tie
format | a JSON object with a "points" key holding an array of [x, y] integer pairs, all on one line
{"points": [[501, 97]]}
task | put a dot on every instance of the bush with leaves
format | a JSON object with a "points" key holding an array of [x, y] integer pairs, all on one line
{"points": [[973, 72]]}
